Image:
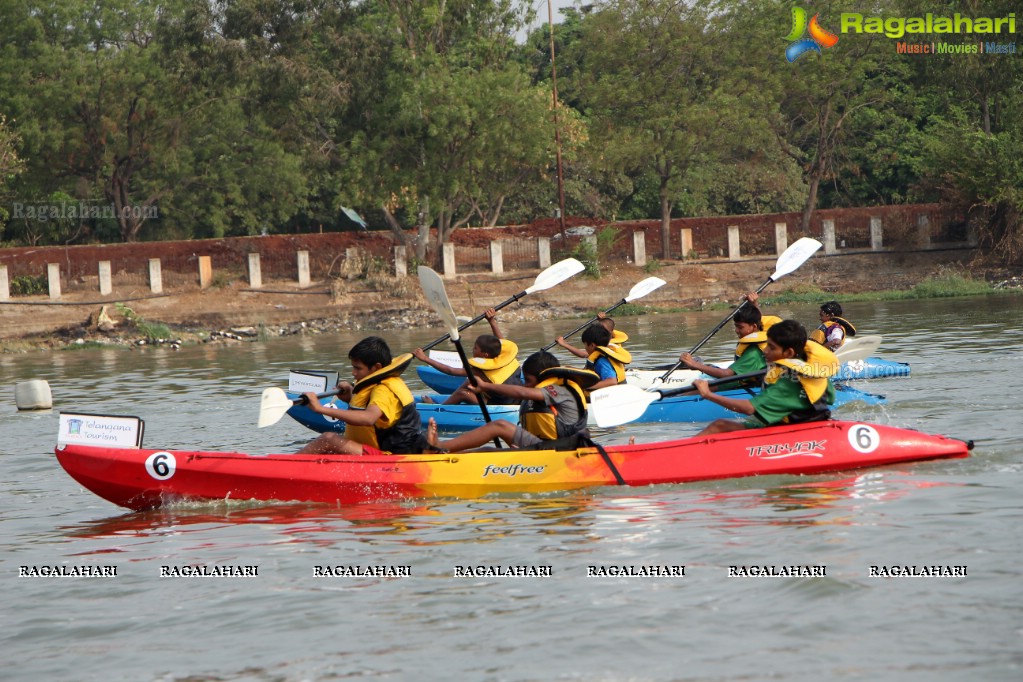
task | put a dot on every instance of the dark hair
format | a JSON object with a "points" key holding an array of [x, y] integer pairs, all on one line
{"points": [[597, 334], [831, 308], [538, 362], [608, 323], [371, 351], [789, 334], [748, 315], [489, 344]]}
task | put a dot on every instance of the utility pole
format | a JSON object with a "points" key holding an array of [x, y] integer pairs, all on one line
{"points": [[557, 128]]}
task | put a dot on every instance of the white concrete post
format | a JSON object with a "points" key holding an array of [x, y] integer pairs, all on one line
{"points": [[543, 252], [496, 257], [591, 241], [155, 276], [205, 271], [448, 253], [781, 238], [639, 248], [303, 269], [105, 280], [53, 275], [923, 231], [5, 284], [255, 272], [687, 242], [733, 243], [828, 226], [876, 234], [400, 261]]}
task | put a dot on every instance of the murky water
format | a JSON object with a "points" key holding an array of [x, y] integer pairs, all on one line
{"points": [[286, 624]]}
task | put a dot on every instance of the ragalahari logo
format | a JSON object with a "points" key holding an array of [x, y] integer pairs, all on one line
{"points": [[819, 37]]}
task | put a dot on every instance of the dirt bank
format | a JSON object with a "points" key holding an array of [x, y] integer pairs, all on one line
{"points": [[233, 312]]}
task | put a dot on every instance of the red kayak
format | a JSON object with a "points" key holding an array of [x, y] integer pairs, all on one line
{"points": [[144, 478]]}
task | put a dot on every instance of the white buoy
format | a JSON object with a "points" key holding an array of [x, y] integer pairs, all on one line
{"points": [[33, 395]]}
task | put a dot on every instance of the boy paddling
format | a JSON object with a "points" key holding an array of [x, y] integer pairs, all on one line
{"points": [[796, 386], [493, 359], [382, 416], [553, 406]]}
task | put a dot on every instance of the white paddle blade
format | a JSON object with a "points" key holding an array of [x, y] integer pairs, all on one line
{"points": [[556, 274], [645, 287], [621, 404], [437, 296], [794, 256], [274, 404], [858, 348]]}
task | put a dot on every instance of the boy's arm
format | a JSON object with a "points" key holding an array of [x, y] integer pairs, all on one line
{"points": [[491, 315], [753, 298], [578, 352], [366, 417], [517, 392], [440, 366], [689, 361], [733, 404]]}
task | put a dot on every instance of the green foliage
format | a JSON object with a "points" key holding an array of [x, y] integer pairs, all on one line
{"points": [[239, 117], [152, 331], [26, 285]]}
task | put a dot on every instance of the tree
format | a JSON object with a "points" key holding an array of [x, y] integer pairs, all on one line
{"points": [[450, 124], [656, 99]]}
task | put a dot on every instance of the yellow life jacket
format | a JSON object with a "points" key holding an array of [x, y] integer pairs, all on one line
{"points": [[618, 338], [498, 370], [758, 338], [812, 373], [820, 334], [403, 434], [541, 419], [618, 356]]}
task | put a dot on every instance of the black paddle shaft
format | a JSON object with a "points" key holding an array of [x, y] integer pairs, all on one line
{"points": [[584, 325], [474, 320], [471, 375], [715, 330]]}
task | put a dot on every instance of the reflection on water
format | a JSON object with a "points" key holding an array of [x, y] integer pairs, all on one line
{"points": [[288, 625]]}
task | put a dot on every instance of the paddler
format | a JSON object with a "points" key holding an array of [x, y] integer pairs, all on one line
{"points": [[552, 414], [618, 337], [493, 360], [834, 328], [604, 358], [751, 327], [382, 416], [796, 386]]}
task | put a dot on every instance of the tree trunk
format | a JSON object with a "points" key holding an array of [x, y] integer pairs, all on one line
{"points": [[811, 199], [665, 220], [423, 230], [392, 224]]}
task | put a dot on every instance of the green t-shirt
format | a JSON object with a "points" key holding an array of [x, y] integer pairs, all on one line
{"points": [[752, 360], [785, 396]]}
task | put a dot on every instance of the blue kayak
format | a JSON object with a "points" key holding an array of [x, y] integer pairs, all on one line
{"points": [[682, 409], [870, 368]]}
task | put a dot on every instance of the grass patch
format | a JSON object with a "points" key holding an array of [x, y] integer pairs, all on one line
{"points": [[152, 331], [946, 283]]}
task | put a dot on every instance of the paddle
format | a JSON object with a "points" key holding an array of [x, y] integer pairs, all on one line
{"points": [[861, 346], [275, 403], [555, 274], [794, 256], [639, 291], [614, 405], [437, 296]]}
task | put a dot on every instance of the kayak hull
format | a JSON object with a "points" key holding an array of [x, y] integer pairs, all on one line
{"points": [[869, 368], [680, 409], [145, 478]]}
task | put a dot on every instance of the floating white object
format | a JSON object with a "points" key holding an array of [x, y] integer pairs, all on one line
{"points": [[33, 395]]}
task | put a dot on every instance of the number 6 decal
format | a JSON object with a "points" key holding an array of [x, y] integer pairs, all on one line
{"points": [[864, 438], [161, 465]]}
